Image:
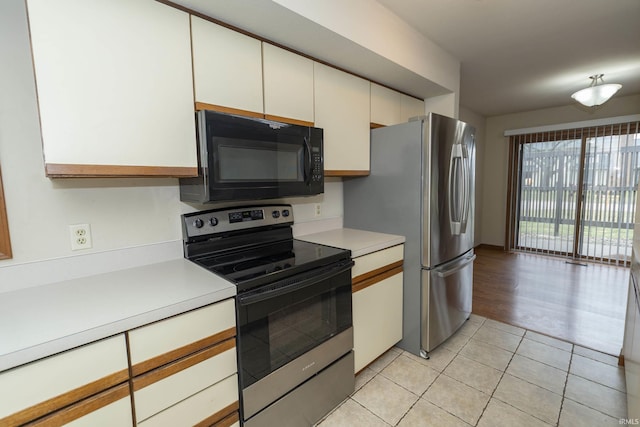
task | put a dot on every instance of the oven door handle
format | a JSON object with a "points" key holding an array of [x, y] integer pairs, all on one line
{"points": [[285, 286]]}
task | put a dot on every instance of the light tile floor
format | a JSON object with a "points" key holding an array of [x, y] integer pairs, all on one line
{"points": [[489, 374]]}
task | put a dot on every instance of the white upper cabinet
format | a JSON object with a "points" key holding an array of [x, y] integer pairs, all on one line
{"points": [[385, 105], [410, 107], [342, 105], [288, 85], [115, 87], [227, 67]]}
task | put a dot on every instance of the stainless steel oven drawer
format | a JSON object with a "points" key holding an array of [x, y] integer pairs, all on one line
{"points": [[312, 400]]}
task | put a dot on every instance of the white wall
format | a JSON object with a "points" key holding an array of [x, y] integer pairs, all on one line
{"points": [[496, 153], [123, 213]]}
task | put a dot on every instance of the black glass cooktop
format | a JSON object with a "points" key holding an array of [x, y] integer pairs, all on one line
{"points": [[270, 262]]}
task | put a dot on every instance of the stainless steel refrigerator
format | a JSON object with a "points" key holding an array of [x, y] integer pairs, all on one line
{"points": [[421, 186]]}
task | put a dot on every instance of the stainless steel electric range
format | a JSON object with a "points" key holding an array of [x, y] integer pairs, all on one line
{"points": [[293, 308]]}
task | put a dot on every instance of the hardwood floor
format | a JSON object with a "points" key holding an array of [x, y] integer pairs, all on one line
{"points": [[585, 305]]}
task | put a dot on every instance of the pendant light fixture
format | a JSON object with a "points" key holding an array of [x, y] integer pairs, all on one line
{"points": [[597, 93]]}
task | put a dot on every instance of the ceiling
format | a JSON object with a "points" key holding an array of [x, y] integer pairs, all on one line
{"points": [[520, 55], [516, 55]]}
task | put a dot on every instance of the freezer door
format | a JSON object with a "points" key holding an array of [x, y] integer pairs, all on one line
{"points": [[449, 188], [446, 300]]}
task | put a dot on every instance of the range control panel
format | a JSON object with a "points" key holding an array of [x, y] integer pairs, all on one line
{"points": [[233, 219]]}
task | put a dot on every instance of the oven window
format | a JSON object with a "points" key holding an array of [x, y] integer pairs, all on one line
{"points": [[277, 330], [269, 162]]}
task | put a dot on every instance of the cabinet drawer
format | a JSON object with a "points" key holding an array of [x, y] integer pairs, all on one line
{"points": [[170, 384], [39, 388], [109, 408], [202, 409], [376, 262], [167, 340], [377, 319]]}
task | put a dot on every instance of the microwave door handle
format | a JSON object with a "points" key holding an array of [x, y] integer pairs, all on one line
{"points": [[308, 161]]}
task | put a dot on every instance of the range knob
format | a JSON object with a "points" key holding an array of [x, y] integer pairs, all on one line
{"points": [[285, 213], [275, 214], [198, 223], [213, 221]]}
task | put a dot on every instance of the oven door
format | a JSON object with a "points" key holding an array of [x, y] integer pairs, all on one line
{"points": [[290, 330]]}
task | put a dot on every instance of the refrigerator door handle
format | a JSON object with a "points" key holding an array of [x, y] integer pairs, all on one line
{"points": [[459, 265], [459, 188]]}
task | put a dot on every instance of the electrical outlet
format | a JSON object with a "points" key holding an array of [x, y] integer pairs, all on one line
{"points": [[80, 235], [317, 211]]}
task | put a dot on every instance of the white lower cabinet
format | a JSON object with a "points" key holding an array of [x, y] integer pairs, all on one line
{"points": [[196, 409], [107, 409], [184, 368], [377, 304], [183, 371], [183, 382], [43, 387]]}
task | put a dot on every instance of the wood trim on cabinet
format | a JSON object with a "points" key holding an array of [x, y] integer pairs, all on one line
{"points": [[288, 120], [5, 241], [163, 359], [376, 125], [372, 273], [372, 280], [73, 396], [228, 110], [61, 170], [181, 364], [83, 408], [225, 417], [345, 173]]}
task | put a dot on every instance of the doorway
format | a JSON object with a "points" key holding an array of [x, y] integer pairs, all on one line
{"points": [[573, 192]]}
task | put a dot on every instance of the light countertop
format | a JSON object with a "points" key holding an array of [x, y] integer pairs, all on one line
{"points": [[40, 321], [43, 320], [359, 242]]}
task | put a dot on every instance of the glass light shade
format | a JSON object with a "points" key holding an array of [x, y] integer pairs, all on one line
{"points": [[596, 95]]}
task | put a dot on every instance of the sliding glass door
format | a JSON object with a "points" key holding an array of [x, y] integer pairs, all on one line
{"points": [[610, 186], [573, 192]]}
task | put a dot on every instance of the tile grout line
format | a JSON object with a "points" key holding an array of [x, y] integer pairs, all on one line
{"points": [[500, 380], [440, 373], [564, 389]]}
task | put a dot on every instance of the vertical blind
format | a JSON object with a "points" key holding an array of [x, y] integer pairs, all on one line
{"points": [[573, 192]]}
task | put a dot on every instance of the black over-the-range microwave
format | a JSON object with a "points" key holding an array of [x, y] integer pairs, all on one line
{"points": [[243, 158]]}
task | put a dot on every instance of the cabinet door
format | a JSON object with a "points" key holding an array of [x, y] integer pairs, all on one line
{"points": [[220, 398], [385, 105], [410, 107], [162, 342], [115, 87], [36, 389], [164, 387], [342, 104], [227, 69], [288, 86], [110, 408], [377, 319]]}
